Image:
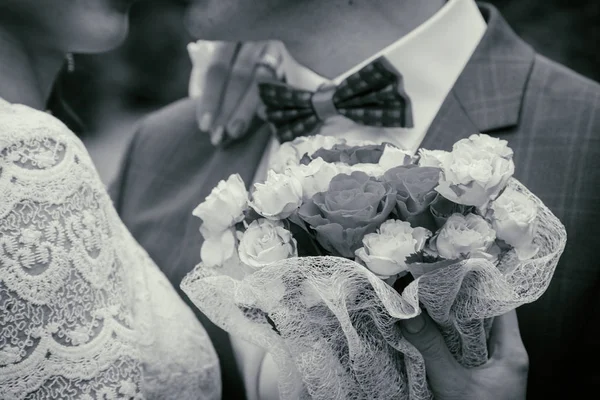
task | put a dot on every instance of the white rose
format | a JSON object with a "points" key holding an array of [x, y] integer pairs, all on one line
{"points": [[310, 144], [314, 177], [513, 216], [290, 153], [463, 236], [217, 249], [385, 252], [473, 176], [266, 242], [433, 158], [489, 144], [278, 197], [394, 157], [285, 156], [224, 206]]}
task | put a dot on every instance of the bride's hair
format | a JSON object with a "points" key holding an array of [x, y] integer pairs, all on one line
{"points": [[59, 107]]}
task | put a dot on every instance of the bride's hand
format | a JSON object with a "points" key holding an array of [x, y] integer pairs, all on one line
{"points": [[224, 80], [504, 376]]}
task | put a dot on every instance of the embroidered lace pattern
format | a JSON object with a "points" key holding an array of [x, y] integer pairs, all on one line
{"points": [[84, 312]]}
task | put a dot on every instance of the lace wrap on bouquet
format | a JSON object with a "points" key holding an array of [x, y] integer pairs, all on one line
{"points": [[84, 312], [337, 322]]}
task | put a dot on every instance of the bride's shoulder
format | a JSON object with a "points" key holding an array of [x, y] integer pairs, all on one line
{"points": [[29, 132], [18, 120], [41, 160]]}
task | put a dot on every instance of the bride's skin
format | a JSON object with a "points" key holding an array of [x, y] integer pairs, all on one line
{"points": [[36, 35]]}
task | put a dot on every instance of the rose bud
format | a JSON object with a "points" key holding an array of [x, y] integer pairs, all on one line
{"points": [[266, 242], [278, 197], [513, 217], [385, 252], [224, 206], [476, 171], [463, 236]]}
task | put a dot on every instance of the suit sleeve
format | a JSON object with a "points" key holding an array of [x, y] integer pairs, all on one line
{"points": [[117, 188]]}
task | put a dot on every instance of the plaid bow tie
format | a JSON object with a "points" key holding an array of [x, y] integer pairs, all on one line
{"points": [[373, 96]]}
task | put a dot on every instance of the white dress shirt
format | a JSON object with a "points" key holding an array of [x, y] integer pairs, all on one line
{"points": [[430, 59]]}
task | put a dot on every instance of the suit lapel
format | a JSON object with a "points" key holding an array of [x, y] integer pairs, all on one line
{"points": [[488, 95], [450, 125]]}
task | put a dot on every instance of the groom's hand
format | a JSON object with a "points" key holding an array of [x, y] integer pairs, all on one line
{"points": [[227, 93], [503, 377]]}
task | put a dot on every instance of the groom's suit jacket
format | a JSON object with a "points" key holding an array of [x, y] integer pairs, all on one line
{"points": [[550, 117]]}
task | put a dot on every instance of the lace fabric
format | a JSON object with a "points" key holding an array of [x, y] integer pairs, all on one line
{"points": [[332, 326], [84, 311]]}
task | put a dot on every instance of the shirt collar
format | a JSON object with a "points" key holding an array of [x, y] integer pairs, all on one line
{"points": [[429, 57]]}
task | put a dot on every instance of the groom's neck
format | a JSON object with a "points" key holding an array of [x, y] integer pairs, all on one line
{"points": [[332, 36]]}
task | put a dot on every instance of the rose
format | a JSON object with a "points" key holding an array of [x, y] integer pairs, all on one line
{"points": [[463, 236], [353, 206], [283, 157], [513, 217], [278, 197], [223, 207], [393, 157], [415, 191], [217, 249], [441, 209], [385, 252], [351, 155], [310, 144], [490, 144], [432, 158], [314, 177], [473, 174], [265, 242], [290, 153]]}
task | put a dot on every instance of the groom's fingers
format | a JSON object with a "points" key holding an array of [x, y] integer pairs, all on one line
{"points": [[265, 67], [238, 122], [241, 97], [422, 333], [213, 88], [505, 341]]}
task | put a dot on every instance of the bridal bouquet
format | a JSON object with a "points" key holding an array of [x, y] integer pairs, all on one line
{"points": [[320, 262]]}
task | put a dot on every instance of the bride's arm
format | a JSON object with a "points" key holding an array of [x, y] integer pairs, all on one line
{"points": [[66, 321]]}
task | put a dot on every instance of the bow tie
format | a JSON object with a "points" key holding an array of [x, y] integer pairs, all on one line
{"points": [[373, 96]]}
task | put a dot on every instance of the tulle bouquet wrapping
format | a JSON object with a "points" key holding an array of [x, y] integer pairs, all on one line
{"points": [[320, 262]]}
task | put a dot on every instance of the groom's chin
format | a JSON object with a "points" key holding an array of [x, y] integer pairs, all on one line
{"points": [[222, 20], [203, 25]]}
